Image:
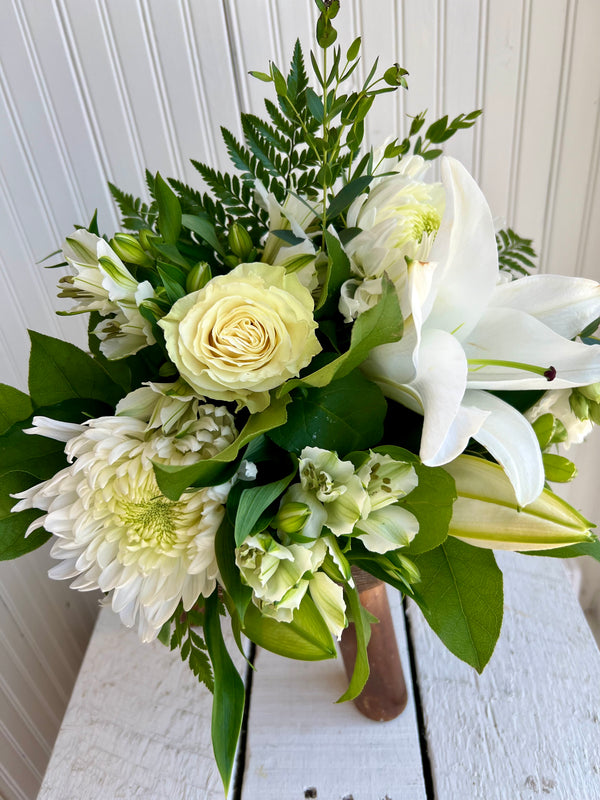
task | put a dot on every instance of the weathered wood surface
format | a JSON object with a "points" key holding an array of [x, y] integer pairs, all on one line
{"points": [[529, 727], [137, 725], [299, 740]]}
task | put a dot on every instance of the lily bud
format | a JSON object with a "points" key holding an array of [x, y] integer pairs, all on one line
{"points": [[291, 517], [197, 277], [486, 512], [146, 237], [239, 241], [128, 248]]}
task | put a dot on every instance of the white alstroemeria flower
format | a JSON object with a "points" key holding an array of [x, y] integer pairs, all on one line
{"points": [[465, 335], [103, 283], [114, 529], [281, 575]]}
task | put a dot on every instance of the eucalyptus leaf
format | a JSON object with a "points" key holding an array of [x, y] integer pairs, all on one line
{"points": [[347, 194], [60, 371], [461, 597], [229, 694], [14, 407]]}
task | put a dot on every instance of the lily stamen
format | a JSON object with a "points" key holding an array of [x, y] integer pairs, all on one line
{"points": [[478, 363]]}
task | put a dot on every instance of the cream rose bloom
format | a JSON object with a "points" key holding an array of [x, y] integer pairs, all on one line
{"points": [[242, 334]]}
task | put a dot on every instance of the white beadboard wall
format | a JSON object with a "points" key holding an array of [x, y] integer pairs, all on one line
{"points": [[97, 90]]}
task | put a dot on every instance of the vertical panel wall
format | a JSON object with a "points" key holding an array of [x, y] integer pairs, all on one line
{"points": [[92, 90]]}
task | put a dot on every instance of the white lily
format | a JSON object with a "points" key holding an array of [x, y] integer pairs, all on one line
{"points": [[466, 334]]}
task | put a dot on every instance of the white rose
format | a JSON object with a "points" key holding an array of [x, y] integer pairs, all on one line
{"points": [[242, 334]]}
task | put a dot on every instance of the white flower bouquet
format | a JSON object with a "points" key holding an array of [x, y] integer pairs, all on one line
{"points": [[327, 360]]}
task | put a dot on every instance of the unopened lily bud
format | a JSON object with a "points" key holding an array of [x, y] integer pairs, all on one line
{"points": [[592, 392], [291, 517], [231, 261], [579, 405], [239, 241], [197, 277], [128, 248], [486, 512]]}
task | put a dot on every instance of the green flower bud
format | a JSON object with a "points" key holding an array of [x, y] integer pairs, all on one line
{"points": [[146, 237], [231, 261], [594, 409], [239, 241], [197, 277], [592, 392], [579, 405], [128, 248], [410, 569], [291, 517]]}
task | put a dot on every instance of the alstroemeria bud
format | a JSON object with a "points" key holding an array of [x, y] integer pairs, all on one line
{"points": [[579, 405], [592, 392], [239, 241], [291, 517], [197, 277], [128, 248], [486, 512]]}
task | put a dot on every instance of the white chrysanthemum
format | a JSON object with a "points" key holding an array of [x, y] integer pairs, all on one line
{"points": [[117, 532]]}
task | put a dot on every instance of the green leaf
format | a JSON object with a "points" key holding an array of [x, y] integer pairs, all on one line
{"points": [[174, 480], [229, 694], [353, 50], [169, 211], [591, 549], [14, 407], [174, 289], [347, 194], [11, 483], [262, 76], [231, 579], [35, 455], [202, 226], [379, 325], [361, 670], [315, 104], [12, 534], [345, 415], [60, 371], [253, 502], [306, 638], [460, 595], [338, 271]]}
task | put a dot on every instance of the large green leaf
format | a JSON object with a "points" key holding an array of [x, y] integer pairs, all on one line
{"points": [[35, 455], [11, 483], [231, 578], [381, 324], [229, 694], [14, 407], [169, 211], [591, 549], [306, 638], [460, 595], [12, 534], [60, 371], [345, 415], [430, 501], [253, 502], [360, 674], [173, 481]]}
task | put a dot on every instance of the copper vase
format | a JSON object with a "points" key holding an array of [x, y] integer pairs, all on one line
{"points": [[384, 696]]}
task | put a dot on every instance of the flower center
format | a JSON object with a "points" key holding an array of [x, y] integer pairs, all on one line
{"points": [[151, 523]]}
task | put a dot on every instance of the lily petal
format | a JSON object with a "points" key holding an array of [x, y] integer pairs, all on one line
{"points": [[509, 437], [566, 305], [511, 335], [466, 247]]}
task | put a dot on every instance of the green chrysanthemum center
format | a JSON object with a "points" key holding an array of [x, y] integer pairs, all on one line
{"points": [[151, 523]]}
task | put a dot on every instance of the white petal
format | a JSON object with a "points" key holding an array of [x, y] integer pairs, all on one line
{"points": [[465, 246], [388, 529], [509, 437], [567, 305], [510, 335], [329, 600]]}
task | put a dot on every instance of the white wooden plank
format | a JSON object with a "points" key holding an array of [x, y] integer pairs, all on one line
{"points": [[528, 726], [298, 739], [137, 725]]}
